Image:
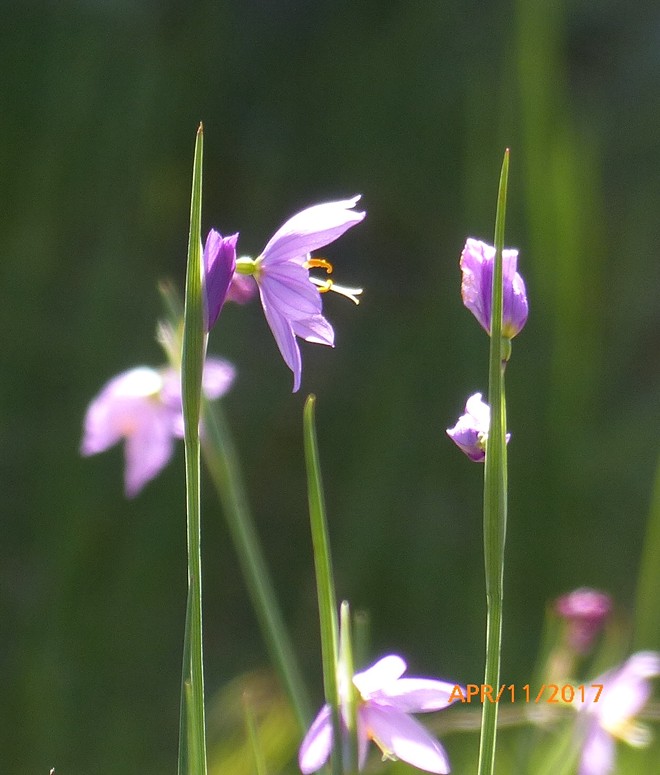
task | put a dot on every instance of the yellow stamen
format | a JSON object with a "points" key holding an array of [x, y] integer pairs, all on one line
{"points": [[325, 286], [319, 263]]}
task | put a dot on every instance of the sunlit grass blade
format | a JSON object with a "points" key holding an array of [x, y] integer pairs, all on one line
{"points": [[192, 752], [495, 492], [325, 585]]}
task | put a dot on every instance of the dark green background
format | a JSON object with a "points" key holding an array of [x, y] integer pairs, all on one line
{"points": [[410, 104]]}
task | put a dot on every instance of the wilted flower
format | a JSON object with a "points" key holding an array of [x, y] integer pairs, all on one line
{"points": [[471, 431], [143, 407], [290, 297], [477, 262], [384, 704], [624, 693], [585, 611]]}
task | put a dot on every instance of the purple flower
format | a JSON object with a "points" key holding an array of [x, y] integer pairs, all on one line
{"points": [[625, 691], [143, 407], [383, 715], [471, 431], [477, 261], [219, 261], [584, 611], [290, 298]]}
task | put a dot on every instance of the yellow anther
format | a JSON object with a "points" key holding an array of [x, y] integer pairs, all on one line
{"points": [[325, 286], [319, 263]]}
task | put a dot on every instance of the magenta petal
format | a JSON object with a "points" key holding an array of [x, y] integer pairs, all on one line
{"points": [[416, 695], [399, 734], [317, 744], [219, 261], [311, 229]]}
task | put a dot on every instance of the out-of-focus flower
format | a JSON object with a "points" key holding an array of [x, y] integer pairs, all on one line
{"points": [[290, 297], [624, 693], [471, 431], [143, 407], [384, 704], [477, 261], [584, 611], [242, 289], [219, 261]]}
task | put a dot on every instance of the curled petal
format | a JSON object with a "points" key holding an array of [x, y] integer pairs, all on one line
{"points": [[219, 262], [401, 736], [317, 744], [311, 229], [381, 674]]}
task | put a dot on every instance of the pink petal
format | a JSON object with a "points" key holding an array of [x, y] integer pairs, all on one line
{"points": [[384, 672], [317, 744], [217, 378], [396, 733], [416, 695], [117, 409], [311, 229], [597, 752], [148, 448]]}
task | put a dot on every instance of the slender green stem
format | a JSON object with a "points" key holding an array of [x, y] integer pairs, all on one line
{"points": [[647, 602], [325, 585], [347, 691], [192, 752], [495, 493], [223, 465]]}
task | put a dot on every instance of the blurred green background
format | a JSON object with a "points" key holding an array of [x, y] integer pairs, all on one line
{"points": [[412, 105]]}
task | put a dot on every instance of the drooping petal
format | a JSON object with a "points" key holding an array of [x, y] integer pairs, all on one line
{"points": [[311, 229], [148, 447], [400, 735], [471, 431], [416, 695], [284, 337], [381, 674], [597, 757], [288, 288], [117, 409], [317, 743], [219, 262]]}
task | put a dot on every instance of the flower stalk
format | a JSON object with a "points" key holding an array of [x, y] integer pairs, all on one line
{"points": [[495, 490]]}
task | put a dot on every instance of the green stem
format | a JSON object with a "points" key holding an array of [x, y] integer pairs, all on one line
{"points": [[192, 750], [347, 693], [325, 585], [223, 465], [495, 493]]}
